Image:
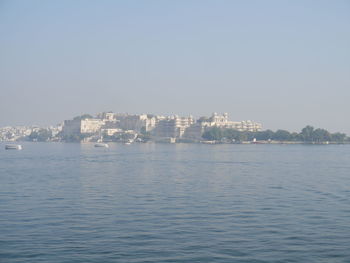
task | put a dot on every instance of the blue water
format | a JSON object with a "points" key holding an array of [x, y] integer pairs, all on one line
{"points": [[175, 203]]}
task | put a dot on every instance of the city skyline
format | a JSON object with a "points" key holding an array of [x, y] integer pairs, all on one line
{"points": [[285, 66], [195, 117], [129, 128]]}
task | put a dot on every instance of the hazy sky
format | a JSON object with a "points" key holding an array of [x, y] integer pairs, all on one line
{"points": [[285, 64]]}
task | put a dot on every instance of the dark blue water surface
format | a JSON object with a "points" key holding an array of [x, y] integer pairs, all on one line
{"points": [[175, 203]]}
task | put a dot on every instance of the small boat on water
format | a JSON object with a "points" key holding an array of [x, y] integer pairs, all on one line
{"points": [[128, 142], [13, 147], [103, 145]]}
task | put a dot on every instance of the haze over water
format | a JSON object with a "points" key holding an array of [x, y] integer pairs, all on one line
{"points": [[175, 203]]}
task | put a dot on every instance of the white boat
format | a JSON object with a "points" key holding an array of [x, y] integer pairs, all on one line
{"points": [[13, 147], [104, 145], [128, 142]]}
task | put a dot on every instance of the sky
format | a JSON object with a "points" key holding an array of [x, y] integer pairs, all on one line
{"points": [[283, 63]]}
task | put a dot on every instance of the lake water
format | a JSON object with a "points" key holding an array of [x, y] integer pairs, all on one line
{"points": [[175, 203]]}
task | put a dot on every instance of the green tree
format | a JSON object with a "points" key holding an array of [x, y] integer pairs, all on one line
{"points": [[294, 136], [242, 136], [321, 135], [282, 135], [42, 135], [307, 133], [338, 137], [213, 134], [231, 134], [264, 135]]}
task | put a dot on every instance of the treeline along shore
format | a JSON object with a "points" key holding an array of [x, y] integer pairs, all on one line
{"points": [[308, 135]]}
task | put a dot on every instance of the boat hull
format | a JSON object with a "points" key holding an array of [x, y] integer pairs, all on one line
{"points": [[101, 145], [13, 147]]}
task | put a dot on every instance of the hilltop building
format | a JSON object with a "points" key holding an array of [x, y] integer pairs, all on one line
{"points": [[222, 121], [160, 127], [137, 122], [107, 116], [195, 131], [71, 127], [79, 126], [90, 125], [172, 126]]}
